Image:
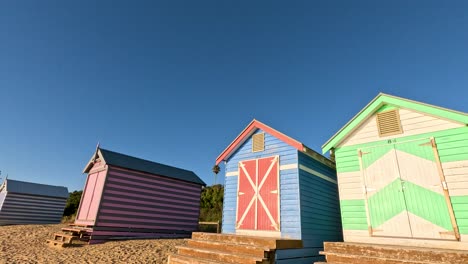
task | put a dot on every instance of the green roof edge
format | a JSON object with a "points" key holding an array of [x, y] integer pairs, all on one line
{"points": [[381, 99]]}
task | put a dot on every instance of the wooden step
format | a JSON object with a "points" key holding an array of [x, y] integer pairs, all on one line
{"points": [[358, 259], [64, 237], [181, 259], [230, 248], [321, 262], [218, 255], [267, 242], [80, 225], [76, 230], [56, 243], [397, 252]]}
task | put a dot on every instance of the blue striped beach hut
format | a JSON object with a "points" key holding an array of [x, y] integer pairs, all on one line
{"points": [[31, 203]]}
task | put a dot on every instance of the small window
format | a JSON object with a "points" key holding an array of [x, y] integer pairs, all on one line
{"points": [[258, 142], [388, 123]]}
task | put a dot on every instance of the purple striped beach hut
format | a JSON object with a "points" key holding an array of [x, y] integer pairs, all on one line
{"points": [[126, 197]]}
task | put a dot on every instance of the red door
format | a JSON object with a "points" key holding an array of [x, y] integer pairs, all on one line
{"points": [[258, 194]]}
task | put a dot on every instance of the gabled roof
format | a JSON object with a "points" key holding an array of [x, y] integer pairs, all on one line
{"points": [[254, 126], [137, 164], [14, 186], [385, 99]]}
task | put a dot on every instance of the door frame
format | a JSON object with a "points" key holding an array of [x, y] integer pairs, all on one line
{"points": [[393, 142], [87, 221], [267, 233]]}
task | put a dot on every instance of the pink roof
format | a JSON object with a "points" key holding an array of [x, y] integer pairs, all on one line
{"points": [[248, 131]]}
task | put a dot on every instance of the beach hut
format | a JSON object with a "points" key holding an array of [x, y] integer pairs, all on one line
{"points": [[31, 203], [277, 192], [403, 174], [128, 197]]}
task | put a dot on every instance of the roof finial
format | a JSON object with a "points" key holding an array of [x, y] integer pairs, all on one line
{"points": [[96, 155]]}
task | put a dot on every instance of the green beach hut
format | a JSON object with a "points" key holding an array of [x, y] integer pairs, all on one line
{"points": [[403, 174]]}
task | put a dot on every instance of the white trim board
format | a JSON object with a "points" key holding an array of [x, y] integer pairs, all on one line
{"points": [[232, 173], [258, 233], [281, 168], [316, 173], [288, 166], [293, 166]]}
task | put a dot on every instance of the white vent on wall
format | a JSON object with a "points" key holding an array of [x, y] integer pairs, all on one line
{"points": [[258, 142], [388, 123]]}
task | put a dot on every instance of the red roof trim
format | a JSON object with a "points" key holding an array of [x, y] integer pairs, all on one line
{"points": [[248, 131]]}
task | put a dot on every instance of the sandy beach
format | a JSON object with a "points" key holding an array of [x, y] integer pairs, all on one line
{"points": [[26, 244]]}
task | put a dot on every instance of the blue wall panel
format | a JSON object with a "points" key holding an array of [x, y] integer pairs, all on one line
{"points": [[289, 204], [320, 211], [229, 204]]}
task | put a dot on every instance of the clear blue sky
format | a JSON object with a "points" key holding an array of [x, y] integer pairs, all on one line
{"points": [[176, 81]]}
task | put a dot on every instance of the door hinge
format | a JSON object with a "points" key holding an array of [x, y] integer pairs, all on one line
{"points": [[426, 144], [447, 233], [360, 153], [444, 185]]}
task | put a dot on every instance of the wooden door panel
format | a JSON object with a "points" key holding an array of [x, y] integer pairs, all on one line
{"points": [[87, 196], [246, 200], [423, 191], [385, 200], [268, 188], [258, 194], [404, 191]]}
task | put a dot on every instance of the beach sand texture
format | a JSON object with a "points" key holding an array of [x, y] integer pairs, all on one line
{"points": [[26, 244]]}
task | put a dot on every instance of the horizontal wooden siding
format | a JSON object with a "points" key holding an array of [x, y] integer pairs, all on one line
{"points": [[147, 203], [319, 212], [412, 122], [31, 209]]}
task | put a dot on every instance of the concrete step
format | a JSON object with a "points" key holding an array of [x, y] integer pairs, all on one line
{"points": [[267, 242], [415, 254], [181, 259], [218, 255], [261, 252]]}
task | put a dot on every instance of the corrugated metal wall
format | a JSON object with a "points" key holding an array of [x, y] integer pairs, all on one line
{"points": [[289, 201], [30, 209], [136, 204]]}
